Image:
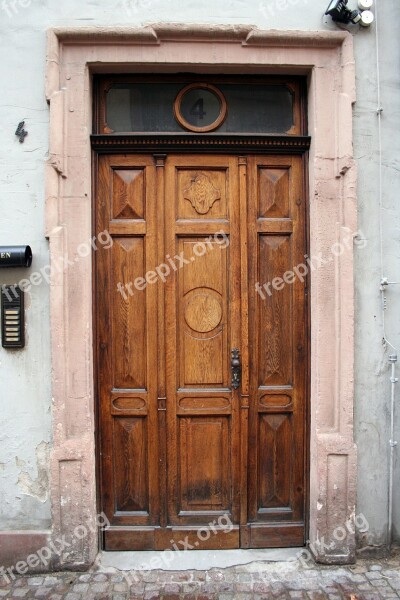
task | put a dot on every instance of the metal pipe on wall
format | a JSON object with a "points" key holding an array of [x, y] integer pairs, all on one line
{"points": [[393, 444]]}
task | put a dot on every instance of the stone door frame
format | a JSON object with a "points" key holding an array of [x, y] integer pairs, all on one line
{"points": [[73, 55]]}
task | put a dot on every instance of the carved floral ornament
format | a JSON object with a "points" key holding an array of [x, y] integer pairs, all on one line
{"points": [[201, 193]]}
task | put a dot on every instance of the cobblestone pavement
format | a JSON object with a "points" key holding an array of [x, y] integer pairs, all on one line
{"points": [[367, 580]]}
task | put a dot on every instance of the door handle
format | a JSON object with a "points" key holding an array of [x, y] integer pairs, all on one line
{"points": [[236, 368]]}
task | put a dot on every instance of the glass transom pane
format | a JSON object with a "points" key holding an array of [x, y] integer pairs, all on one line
{"points": [[149, 107]]}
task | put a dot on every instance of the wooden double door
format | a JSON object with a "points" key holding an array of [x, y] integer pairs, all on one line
{"points": [[201, 342]]}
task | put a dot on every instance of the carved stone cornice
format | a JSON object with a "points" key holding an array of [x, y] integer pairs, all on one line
{"points": [[156, 33], [200, 143]]}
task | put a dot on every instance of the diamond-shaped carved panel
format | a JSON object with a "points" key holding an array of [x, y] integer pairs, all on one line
{"points": [[273, 193], [276, 313], [128, 194], [131, 464], [275, 458]]}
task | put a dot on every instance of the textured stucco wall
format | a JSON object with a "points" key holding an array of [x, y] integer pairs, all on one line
{"points": [[372, 367], [25, 375]]}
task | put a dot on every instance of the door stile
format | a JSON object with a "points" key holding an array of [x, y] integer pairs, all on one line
{"points": [[236, 330], [103, 266], [301, 341], [161, 347], [170, 337], [244, 346], [150, 262], [252, 462]]}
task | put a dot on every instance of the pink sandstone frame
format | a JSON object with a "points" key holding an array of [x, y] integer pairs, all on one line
{"points": [[327, 59]]}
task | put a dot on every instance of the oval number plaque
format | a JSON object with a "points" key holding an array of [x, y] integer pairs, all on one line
{"points": [[200, 107]]}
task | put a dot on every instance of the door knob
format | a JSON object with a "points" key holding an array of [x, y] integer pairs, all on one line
{"points": [[235, 368]]}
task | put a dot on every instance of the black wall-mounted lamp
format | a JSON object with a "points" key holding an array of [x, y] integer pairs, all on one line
{"points": [[339, 12], [15, 256]]}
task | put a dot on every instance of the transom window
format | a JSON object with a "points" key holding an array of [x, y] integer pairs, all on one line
{"points": [[202, 105]]}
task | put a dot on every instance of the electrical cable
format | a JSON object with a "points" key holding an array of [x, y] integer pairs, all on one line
{"points": [[379, 111]]}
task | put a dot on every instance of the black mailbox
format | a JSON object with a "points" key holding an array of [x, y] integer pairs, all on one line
{"points": [[15, 256]]}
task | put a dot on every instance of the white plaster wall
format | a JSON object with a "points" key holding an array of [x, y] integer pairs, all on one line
{"points": [[372, 367], [25, 375]]}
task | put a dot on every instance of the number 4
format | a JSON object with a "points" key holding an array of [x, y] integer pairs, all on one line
{"points": [[197, 109]]}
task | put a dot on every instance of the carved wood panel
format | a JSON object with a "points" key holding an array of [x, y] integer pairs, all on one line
{"points": [[202, 193], [204, 475], [202, 307], [273, 192], [131, 464], [275, 311], [275, 461], [128, 314], [128, 200]]}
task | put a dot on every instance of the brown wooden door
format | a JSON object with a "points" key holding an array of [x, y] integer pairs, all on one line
{"points": [[188, 459]]}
